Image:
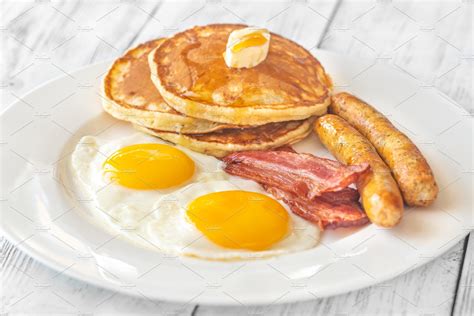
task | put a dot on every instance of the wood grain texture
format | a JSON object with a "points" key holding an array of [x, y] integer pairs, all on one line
{"points": [[464, 304], [88, 33], [78, 33]]}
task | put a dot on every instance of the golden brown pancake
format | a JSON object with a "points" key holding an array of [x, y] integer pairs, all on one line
{"points": [[226, 141], [131, 96], [190, 72]]}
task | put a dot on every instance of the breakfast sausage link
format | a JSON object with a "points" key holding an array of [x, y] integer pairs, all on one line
{"points": [[381, 198], [409, 167]]}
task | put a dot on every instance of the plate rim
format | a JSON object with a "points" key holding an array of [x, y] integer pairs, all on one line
{"points": [[198, 301], [32, 252]]}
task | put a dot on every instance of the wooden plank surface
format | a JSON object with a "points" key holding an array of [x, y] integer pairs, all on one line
{"points": [[416, 39], [464, 304]]}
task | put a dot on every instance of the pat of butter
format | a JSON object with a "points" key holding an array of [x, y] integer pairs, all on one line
{"points": [[247, 47]]}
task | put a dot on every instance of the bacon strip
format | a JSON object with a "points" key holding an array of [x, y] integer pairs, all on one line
{"points": [[327, 211], [304, 175], [344, 195]]}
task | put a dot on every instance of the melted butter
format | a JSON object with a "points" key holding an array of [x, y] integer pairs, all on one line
{"points": [[249, 40]]}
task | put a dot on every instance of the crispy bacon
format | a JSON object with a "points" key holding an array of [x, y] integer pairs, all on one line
{"points": [[314, 188], [327, 210], [304, 175], [344, 195]]}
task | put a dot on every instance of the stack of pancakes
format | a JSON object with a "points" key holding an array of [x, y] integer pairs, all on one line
{"points": [[181, 90]]}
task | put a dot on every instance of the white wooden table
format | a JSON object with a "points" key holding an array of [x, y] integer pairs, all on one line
{"points": [[430, 41]]}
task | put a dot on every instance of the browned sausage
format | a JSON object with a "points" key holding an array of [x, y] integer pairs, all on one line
{"points": [[409, 167], [381, 198]]}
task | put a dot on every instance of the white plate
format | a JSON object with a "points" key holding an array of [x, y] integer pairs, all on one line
{"points": [[39, 132]]}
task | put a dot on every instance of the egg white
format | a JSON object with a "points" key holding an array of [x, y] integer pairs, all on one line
{"points": [[156, 219]]}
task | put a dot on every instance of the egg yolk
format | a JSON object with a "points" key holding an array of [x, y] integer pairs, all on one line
{"points": [[239, 219], [148, 166]]}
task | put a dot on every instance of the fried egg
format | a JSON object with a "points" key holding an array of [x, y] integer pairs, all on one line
{"points": [[180, 202]]}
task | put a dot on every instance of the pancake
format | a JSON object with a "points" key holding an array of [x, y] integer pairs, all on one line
{"points": [[131, 96], [190, 72], [226, 141]]}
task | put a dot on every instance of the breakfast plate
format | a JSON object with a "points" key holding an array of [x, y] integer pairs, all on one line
{"points": [[43, 210]]}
